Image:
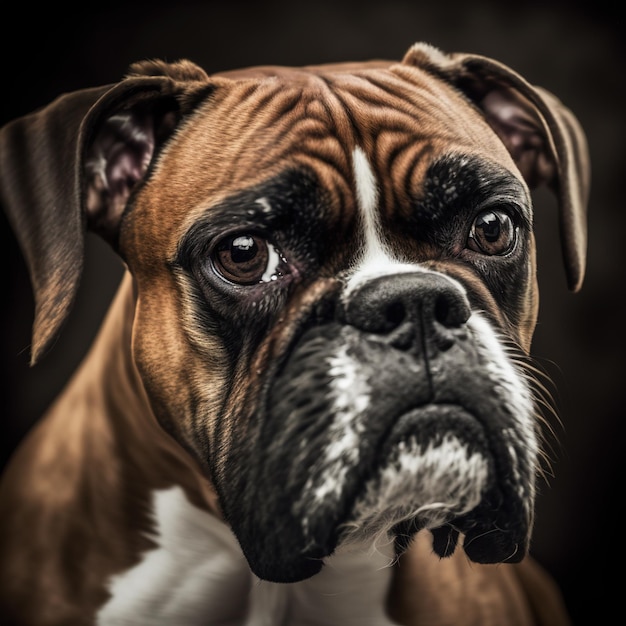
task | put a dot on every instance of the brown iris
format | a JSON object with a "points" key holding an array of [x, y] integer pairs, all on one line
{"points": [[492, 233], [242, 258]]}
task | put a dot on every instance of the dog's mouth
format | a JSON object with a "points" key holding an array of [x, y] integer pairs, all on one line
{"points": [[361, 441], [438, 473]]}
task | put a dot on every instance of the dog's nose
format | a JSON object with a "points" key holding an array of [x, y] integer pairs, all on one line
{"points": [[410, 310]]}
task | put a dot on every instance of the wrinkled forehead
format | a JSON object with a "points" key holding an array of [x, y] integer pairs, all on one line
{"points": [[268, 116], [259, 123]]}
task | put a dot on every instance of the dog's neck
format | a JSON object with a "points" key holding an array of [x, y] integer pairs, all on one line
{"points": [[351, 589], [197, 569]]}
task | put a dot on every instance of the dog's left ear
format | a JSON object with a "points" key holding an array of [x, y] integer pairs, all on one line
{"points": [[71, 166], [543, 137]]}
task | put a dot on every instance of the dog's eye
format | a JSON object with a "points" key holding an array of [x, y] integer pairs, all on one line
{"points": [[246, 259], [492, 233]]}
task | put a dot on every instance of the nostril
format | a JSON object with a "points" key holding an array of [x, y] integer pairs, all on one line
{"points": [[442, 309], [395, 313], [450, 311]]}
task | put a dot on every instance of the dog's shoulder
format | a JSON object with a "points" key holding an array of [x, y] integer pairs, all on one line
{"points": [[460, 592]]}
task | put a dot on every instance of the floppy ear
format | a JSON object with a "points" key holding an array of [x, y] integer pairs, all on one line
{"points": [[543, 137], [73, 164]]}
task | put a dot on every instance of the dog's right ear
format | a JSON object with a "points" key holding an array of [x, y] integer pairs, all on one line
{"points": [[72, 166], [544, 137]]}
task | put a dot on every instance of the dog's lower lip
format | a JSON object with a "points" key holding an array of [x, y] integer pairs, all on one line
{"points": [[439, 414], [414, 451], [446, 480]]}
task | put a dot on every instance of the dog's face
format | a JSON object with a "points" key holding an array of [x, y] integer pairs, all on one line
{"points": [[330, 309], [335, 281]]}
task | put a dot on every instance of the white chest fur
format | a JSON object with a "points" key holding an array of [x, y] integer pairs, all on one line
{"points": [[197, 576]]}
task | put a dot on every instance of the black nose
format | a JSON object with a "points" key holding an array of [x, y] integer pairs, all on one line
{"points": [[411, 311]]}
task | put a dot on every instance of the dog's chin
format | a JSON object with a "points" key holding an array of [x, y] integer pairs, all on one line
{"points": [[435, 472], [445, 484], [435, 468]]}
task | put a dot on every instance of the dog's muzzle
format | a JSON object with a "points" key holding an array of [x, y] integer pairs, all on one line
{"points": [[399, 411]]}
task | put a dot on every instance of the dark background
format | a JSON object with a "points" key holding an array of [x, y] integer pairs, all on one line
{"points": [[575, 51]]}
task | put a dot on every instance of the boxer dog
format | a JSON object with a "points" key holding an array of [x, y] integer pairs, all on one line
{"points": [[311, 401]]}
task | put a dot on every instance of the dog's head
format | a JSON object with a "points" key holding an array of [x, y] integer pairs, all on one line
{"points": [[335, 283]]}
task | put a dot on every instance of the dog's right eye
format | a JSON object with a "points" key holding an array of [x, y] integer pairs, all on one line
{"points": [[246, 259], [492, 233]]}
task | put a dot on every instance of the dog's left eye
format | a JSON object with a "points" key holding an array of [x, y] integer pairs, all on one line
{"points": [[492, 233], [246, 259]]}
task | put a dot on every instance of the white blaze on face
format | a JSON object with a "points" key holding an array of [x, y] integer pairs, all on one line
{"points": [[376, 258], [367, 201]]}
